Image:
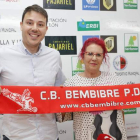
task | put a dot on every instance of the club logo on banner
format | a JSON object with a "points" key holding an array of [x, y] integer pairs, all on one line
{"points": [[23, 100], [66, 45], [131, 42], [110, 42], [130, 4], [88, 25], [89, 36], [90, 5], [108, 5], [120, 63], [77, 65], [59, 4]]}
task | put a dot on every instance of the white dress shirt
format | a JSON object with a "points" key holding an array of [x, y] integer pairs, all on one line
{"points": [[19, 67]]}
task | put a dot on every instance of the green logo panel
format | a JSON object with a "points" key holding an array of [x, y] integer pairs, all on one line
{"points": [[130, 111], [131, 43], [77, 65], [88, 26], [130, 4]]}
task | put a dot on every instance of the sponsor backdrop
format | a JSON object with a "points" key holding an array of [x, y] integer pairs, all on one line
{"points": [[71, 22]]}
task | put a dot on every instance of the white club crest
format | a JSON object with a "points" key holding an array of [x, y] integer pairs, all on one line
{"points": [[90, 1], [23, 100]]}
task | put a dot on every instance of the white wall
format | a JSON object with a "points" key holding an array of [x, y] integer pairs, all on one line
{"points": [[122, 23]]}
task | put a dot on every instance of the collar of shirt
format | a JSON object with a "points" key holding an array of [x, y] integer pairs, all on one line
{"points": [[25, 50]]}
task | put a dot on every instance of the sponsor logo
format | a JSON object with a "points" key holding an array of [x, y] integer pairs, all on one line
{"points": [[127, 73], [66, 45], [110, 43], [90, 1], [88, 25], [59, 4], [130, 4], [77, 65], [130, 82], [132, 25], [54, 22], [12, 0], [132, 127], [89, 36], [108, 5], [120, 63], [62, 131], [130, 111], [5, 30], [90, 5], [131, 42], [9, 42]]}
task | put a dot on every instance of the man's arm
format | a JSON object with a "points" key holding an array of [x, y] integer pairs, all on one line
{"points": [[60, 77]]}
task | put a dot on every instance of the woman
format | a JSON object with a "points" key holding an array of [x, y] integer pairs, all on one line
{"points": [[86, 127]]}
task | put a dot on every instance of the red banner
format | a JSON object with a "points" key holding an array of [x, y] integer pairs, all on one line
{"points": [[40, 100]]}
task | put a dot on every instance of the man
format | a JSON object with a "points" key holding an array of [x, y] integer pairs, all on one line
{"points": [[30, 64]]}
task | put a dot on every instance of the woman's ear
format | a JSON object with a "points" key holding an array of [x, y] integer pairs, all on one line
{"points": [[82, 61]]}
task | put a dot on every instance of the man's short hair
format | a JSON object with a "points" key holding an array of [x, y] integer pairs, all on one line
{"points": [[37, 9]]}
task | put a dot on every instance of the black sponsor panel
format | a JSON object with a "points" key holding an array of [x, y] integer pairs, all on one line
{"points": [[59, 4], [66, 45], [108, 5], [110, 42]]}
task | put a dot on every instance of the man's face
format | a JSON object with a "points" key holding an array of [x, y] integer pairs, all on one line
{"points": [[33, 29]]}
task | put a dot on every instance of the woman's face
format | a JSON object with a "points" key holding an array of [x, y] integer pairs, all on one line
{"points": [[93, 58]]}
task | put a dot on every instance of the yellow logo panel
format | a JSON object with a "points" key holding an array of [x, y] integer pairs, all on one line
{"points": [[108, 4], [109, 41]]}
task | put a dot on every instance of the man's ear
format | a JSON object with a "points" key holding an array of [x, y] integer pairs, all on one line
{"points": [[21, 26], [46, 28]]}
